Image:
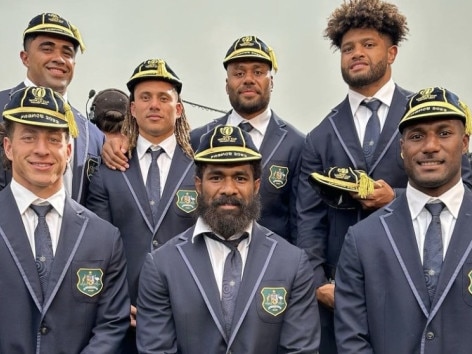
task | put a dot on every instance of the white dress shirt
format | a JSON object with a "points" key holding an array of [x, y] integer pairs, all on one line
{"points": [[24, 198], [163, 161], [421, 217], [362, 114], [218, 251], [259, 124]]}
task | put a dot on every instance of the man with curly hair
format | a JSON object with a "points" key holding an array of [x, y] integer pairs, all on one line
{"points": [[367, 34]]}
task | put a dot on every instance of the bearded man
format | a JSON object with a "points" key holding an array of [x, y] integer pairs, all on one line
{"points": [[227, 284]]}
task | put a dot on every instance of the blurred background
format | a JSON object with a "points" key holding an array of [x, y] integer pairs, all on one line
{"points": [[193, 36]]}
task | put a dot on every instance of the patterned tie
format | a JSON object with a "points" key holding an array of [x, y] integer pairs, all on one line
{"points": [[43, 244], [433, 249], [372, 131], [231, 278], [153, 182], [246, 126]]}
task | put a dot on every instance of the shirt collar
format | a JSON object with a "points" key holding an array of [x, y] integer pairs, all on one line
{"points": [[384, 95], [202, 227], [451, 198], [168, 145], [29, 83], [24, 198], [259, 122]]}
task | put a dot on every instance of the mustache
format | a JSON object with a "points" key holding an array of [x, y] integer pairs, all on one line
{"points": [[227, 200]]}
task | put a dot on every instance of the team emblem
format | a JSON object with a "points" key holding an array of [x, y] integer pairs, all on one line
{"points": [[187, 200], [278, 176], [470, 282], [273, 300], [90, 281]]}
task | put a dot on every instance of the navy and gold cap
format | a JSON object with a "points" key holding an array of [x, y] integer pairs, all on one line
{"points": [[42, 107], [251, 47], [436, 102], [154, 69], [335, 183], [51, 23], [226, 144]]}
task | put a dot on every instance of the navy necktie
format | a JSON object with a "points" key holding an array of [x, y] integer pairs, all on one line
{"points": [[231, 278], [43, 244], [372, 131], [246, 126], [153, 182], [433, 249]]}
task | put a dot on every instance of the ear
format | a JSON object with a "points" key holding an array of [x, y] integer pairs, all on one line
{"points": [[179, 109], [465, 144], [226, 86], [7, 148], [24, 58], [257, 185], [392, 54], [401, 147], [132, 108], [198, 184]]}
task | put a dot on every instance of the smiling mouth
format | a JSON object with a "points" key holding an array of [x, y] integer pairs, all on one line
{"points": [[430, 163]]}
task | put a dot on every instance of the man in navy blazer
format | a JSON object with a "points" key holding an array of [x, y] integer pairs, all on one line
{"points": [[80, 303], [156, 121], [249, 63], [50, 44], [389, 297], [367, 33], [184, 286]]}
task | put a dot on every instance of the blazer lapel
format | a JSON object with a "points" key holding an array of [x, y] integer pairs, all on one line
{"points": [[342, 122], [260, 253], [80, 155], [179, 168], [72, 230], [13, 232], [272, 139], [197, 260], [134, 181], [390, 134], [458, 251], [400, 232]]}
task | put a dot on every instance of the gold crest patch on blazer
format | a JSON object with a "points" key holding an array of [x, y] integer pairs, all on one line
{"points": [[470, 282], [90, 281], [273, 300], [186, 200]]}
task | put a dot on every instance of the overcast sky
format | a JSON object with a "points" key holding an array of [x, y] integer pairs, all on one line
{"points": [[193, 37]]}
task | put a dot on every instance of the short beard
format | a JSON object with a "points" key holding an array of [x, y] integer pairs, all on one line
{"points": [[249, 108], [229, 223], [375, 74]]}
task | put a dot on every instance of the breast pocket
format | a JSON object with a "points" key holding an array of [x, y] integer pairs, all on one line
{"points": [[186, 201]]}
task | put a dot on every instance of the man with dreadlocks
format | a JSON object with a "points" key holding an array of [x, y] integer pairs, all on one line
{"points": [[367, 33], [155, 198]]}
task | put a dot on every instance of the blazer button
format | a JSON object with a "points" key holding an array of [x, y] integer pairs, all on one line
{"points": [[155, 243], [43, 330], [429, 335]]}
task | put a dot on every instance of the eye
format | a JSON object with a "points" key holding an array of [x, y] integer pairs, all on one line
{"points": [[369, 45]]}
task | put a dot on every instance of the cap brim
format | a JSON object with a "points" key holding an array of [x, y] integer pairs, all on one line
{"points": [[227, 155]]}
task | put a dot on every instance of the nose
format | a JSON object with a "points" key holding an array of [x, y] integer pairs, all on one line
{"points": [[249, 77], [358, 51], [431, 143], [228, 187], [58, 57], [155, 103], [41, 147]]}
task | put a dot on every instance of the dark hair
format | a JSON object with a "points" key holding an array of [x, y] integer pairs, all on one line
{"points": [[256, 168], [376, 14]]}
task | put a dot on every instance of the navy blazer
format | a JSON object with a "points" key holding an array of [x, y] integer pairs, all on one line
{"points": [[179, 307], [121, 198], [334, 142], [87, 151], [68, 320], [280, 149], [382, 304]]}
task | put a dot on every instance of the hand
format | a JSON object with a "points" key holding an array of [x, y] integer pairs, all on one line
{"points": [[114, 153], [325, 295], [382, 195], [132, 316]]}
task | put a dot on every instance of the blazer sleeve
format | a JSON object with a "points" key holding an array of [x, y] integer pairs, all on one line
{"points": [[97, 197], [112, 319], [350, 314], [155, 332], [312, 213], [301, 328]]}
